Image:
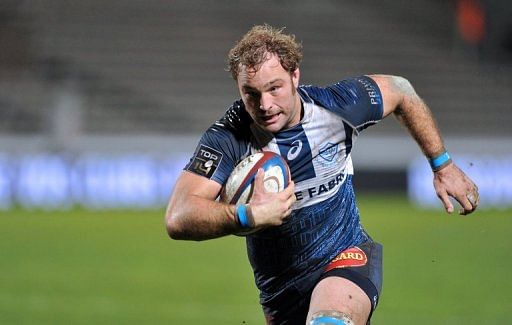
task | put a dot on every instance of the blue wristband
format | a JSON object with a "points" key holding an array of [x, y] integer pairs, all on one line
{"points": [[440, 161], [241, 215]]}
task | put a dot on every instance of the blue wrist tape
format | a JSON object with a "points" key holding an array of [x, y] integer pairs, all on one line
{"points": [[241, 215], [439, 161], [327, 320]]}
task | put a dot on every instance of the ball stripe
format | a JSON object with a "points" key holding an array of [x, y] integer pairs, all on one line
{"points": [[268, 159]]}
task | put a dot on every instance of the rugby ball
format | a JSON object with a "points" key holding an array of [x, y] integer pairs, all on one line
{"points": [[240, 184]]}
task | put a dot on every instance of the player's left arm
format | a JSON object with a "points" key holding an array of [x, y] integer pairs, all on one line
{"points": [[400, 98]]}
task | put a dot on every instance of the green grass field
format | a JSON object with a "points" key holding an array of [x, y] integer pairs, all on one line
{"points": [[119, 267]]}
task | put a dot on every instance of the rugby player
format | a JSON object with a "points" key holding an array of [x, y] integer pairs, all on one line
{"points": [[312, 260]]}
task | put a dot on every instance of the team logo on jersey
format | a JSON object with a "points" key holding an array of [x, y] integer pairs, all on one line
{"points": [[352, 257], [328, 151], [205, 161], [294, 150]]}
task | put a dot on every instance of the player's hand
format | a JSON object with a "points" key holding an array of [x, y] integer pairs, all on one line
{"points": [[270, 209], [451, 181]]}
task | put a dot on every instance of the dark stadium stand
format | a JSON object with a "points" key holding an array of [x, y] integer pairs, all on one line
{"points": [[158, 66]]}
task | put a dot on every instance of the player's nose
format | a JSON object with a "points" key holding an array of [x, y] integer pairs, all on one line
{"points": [[265, 102]]}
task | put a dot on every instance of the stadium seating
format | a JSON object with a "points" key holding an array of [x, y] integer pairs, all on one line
{"points": [[159, 67]]}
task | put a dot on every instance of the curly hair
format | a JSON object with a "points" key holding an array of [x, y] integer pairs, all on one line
{"points": [[252, 50]]}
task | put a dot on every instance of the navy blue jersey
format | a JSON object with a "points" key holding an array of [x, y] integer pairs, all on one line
{"points": [[325, 219]]}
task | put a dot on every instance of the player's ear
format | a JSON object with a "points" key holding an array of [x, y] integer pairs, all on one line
{"points": [[296, 77]]}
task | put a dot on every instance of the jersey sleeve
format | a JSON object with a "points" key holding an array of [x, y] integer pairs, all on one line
{"points": [[220, 148], [357, 100]]}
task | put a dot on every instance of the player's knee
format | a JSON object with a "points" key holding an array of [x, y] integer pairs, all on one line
{"points": [[330, 317]]}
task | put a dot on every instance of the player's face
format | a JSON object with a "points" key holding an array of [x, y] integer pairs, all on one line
{"points": [[270, 95]]}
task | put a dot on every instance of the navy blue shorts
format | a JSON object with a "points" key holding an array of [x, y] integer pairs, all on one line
{"points": [[360, 264]]}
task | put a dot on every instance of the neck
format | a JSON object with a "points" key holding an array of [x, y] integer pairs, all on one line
{"points": [[298, 109]]}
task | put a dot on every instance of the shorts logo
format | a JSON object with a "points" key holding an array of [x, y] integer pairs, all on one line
{"points": [[351, 257], [205, 161]]}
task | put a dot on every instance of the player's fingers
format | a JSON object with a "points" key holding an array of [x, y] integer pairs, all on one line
{"points": [[290, 189], [258, 181], [466, 206], [294, 198], [291, 199], [477, 198], [474, 197], [446, 201], [470, 202]]}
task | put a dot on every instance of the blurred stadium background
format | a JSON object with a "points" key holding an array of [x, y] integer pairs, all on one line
{"points": [[102, 102]]}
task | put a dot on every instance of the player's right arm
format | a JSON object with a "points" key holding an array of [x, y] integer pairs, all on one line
{"points": [[194, 214]]}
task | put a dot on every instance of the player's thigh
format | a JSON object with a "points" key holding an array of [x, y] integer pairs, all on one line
{"points": [[340, 295], [354, 272]]}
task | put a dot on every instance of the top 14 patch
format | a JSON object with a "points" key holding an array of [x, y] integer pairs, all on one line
{"points": [[205, 161]]}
